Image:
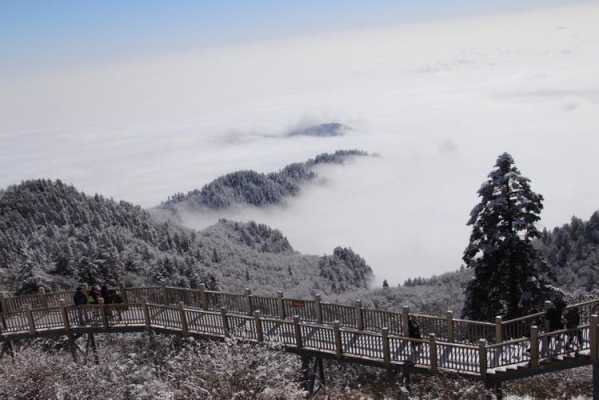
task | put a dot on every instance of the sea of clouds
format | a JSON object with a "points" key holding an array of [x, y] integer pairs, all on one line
{"points": [[438, 102]]}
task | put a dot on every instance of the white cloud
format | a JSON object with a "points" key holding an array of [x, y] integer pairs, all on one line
{"points": [[142, 130]]}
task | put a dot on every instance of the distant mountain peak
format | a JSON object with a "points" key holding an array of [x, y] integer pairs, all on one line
{"points": [[257, 189], [327, 129]]}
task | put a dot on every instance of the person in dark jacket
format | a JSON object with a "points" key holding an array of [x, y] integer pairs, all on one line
{"points": [[553, 316], [105, 293], [572, 317], [414, 333], [80, 299]]}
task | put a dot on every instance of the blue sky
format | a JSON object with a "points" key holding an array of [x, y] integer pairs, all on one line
{"points": [[40, 34]]}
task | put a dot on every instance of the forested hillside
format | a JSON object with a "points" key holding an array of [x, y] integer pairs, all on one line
{"points": [[52, 235], [255, 188], [572, 252]]}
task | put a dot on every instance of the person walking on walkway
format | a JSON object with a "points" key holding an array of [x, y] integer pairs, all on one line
{"points": [[414, 333], [80, 299], [572, 317]]}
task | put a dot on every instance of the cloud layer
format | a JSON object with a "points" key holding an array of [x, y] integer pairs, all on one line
{"points": [[438, 101]]}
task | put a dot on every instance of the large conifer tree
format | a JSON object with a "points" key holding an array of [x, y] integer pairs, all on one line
{"points": [[507, 268]]}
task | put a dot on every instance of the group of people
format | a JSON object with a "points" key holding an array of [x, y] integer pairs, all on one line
{"points": [[559, 317], [96, 295]]}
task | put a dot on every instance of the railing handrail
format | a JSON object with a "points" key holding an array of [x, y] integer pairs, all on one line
{"points": [[350, 314]]}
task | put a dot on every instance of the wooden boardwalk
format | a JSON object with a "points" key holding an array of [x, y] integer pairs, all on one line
{"points": [[314, 328]]}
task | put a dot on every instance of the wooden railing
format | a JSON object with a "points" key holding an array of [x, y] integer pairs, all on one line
{"points": [[446, 328], [381, 348]]}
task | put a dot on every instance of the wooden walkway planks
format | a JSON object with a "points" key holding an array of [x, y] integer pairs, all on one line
{"points": [[359, 346]]}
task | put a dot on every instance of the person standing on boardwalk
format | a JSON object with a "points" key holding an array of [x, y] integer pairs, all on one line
{"points": [[572, 317], [414, 333], [79, 299]]}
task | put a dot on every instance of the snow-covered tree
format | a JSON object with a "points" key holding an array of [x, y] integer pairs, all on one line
{"points": [[507, 268]]}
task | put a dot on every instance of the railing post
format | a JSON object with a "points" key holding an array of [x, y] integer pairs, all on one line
{"points": [[318, 306], [248, 294], [450, 327], [405, 316], [593, 336], [338, 340], [482, 358], [104, 311], [498, 329], [147, 315], [534, 346], [298, 332], [433, 351], [386, 347], [280, 305], [65, 316], [183, 317], [3, 310], [203, 297], [226, 330], [359, 315], [259, 331], [123, 293], [44, 298], [30, 320], [547, 305]]}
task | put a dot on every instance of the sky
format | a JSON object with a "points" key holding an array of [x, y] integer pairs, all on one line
{"points": [[140, 100], [44, 34]]}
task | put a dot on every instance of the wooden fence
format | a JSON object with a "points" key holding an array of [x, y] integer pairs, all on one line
{"points": [[382, 347], [446, 328]]}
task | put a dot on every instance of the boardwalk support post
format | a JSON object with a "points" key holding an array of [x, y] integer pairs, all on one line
{"points": [[534, 346], [338, 341], [433, 351], [30, 320], [91, 343], [226, 330], [67, 329], [450, 328], [298, 332], [259, 331], [183, 317], [359, 315], [386, 347], [404, 394], [203, 297], [280, 305], [405, 317], [318, 306], [498, 329], [482, 359], [248, 294], [593, 337]]}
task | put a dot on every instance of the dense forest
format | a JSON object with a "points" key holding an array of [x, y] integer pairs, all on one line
{"points": [[55, 236], [572, 253], [255, 188]]}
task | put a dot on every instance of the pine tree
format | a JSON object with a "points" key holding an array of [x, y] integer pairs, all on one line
{"points": [[507, 268]]}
